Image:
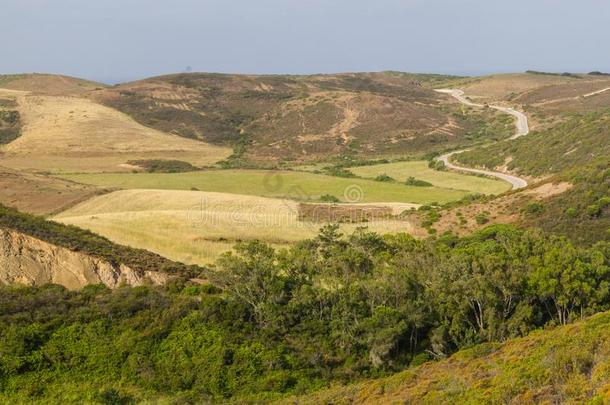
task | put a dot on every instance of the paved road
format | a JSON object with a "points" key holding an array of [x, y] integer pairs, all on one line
{"points": [[522, 129]]}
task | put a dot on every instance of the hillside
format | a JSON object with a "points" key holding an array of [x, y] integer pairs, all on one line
{"points": [[39, 194], [70, 133], [36, 252], [303, 118], [329, 311], [569, 364], [569, 145], [48, 84]]}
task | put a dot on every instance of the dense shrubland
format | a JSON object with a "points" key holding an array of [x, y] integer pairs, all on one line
{"points": [[333, 309]]}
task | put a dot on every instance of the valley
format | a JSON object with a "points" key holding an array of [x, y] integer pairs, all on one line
{"points": [[357, 238]]}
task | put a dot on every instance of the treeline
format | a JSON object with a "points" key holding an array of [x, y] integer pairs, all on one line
{"points": [[328, 310], [80, 240]]}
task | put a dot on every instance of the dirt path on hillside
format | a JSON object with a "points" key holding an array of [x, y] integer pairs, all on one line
{"points": [[522, 127]]}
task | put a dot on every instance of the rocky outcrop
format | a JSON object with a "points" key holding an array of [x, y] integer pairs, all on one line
{"points": [[30, 261]]}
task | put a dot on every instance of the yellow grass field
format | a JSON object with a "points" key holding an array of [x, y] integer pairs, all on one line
{"points": [[196, 227], [419, 169], [70, 134]]}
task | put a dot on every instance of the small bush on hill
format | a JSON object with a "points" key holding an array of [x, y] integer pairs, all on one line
{"points": [[164, 166], [412, 181], [384, 178]]}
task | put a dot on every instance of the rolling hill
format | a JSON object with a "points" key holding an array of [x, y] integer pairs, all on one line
{"points": [[71, 133], [300, 118]]}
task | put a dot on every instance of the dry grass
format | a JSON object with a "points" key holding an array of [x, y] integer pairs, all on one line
{"points": [[501, 87], [37, 194], [74, 134], [48, 84], [196, 227]]}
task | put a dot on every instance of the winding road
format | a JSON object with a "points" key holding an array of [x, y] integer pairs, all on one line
{"points": [[522, 130]]}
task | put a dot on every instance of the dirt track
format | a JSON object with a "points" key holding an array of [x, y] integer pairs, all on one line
{"points": [[522, 130]]}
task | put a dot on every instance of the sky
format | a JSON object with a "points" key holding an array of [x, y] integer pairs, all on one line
{"points": [[121, 40]]}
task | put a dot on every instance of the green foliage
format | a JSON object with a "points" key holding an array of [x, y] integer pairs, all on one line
{"points": [[164, 166], [338, 171], [329, 198], [565, 74], [572, 143], [412, 181], [481, 218], [534, 207], [437, 165], [10, 126], [384, 178]]}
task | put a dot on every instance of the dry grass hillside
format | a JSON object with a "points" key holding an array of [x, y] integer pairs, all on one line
{"points": [[48, 84], [65, 133], [38, 194], [273, 118]]}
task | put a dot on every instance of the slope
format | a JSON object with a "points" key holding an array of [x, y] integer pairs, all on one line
{"points": [[61, 133], [569, 364], [284, 118]]}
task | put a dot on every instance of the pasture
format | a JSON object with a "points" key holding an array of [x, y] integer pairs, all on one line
{"points": [[195, 227], [400, 171], [300, 186]]}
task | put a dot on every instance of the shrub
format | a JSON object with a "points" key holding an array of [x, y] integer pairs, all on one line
{"points": [[412, 181], [164, 166], [482, 219], [384, 178], [329, 198], [594, 210], [534, 208]]}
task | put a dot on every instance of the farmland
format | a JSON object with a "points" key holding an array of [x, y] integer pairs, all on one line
{"points": [[400, 171], [276, 184], [196, 227]]}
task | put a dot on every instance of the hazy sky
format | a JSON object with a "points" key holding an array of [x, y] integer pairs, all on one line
{"points": [[116, 40]]}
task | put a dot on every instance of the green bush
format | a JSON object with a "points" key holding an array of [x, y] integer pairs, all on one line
{"points": [[329, 198], [412, 181], [384, 178], [164, 166]]}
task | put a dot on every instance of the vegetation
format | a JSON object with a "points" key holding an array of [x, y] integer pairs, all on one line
{"points": [[566, 74], [164, 166], [197, 227], [567, 145], [10, 126], [568, 364], [294, 185], [384, 178], [412, 181], [329, 310], [329, 198], [418, 169], [582, 213], [77, 239]]}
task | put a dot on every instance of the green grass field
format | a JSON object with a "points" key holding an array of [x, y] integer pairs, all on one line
{"points": [[277, 184], [400, 171]]}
